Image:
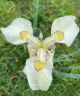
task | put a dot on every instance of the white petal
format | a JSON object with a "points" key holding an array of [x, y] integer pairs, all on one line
{"points": [[24, 70], [45, 77], [62, 23], [31, 74], [21, 24], [70, 35], [38, 80], [48, 66], [67, 25], [12, 36], [12, 32], [50, 60], [31, 49]]}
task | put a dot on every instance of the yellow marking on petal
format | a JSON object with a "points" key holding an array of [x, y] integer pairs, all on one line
{"points": [[23, 33], [60, 35], [38, 65]]}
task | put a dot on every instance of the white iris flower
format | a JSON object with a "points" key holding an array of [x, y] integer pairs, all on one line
{"points": [[39, 66]]}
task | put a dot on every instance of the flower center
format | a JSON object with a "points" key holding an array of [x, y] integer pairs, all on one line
{"points": [[22, 34], [38, 65], [41, 46], [60, 35]]}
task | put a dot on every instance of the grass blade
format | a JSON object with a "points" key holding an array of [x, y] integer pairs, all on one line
{"points": [[35, 15]]}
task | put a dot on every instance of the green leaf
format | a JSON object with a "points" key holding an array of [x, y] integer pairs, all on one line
{"points": [[37, 31], [35, 14], [70, 8], [68, 75], [58, 60], [71, 54]]}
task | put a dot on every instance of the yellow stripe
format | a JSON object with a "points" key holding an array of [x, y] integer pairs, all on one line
{"points": [[33, 41], [48, 41]]}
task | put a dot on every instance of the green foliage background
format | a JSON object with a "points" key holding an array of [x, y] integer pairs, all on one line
{"points": [[48, 11]]}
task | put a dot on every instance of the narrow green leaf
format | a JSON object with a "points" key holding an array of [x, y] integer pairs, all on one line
{"points": [[70, 8], [35, 14], [59, 60], [71, 54], [37, 32], [68, 75]]}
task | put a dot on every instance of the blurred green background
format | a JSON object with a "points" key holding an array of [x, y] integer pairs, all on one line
{"points": [[12, 57]]}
